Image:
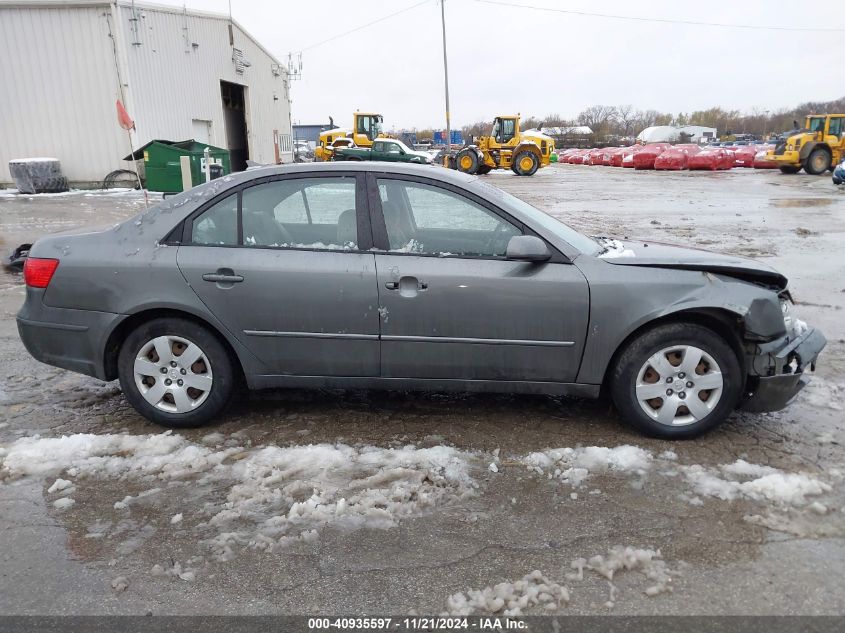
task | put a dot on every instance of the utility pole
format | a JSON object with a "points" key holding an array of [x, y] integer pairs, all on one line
{"points": [[446, 76]]}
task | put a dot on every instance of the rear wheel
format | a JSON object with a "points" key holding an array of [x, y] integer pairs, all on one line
{"points": [[790, 169], [676, 381], [818, 162], [467, 161], [526, 163], [175, 372]]}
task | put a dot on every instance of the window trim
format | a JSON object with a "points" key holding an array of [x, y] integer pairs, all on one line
{"points": [[362, 213], [381, 242]]}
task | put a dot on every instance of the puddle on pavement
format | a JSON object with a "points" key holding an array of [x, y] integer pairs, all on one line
{"points": [[798, 203]]}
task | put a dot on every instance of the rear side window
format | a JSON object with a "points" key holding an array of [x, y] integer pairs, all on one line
{"points": [[218, 225], [301, 213]]}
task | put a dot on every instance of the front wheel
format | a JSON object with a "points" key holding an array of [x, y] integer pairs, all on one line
{"points": [[818, 162], [526, 163], [676, 381], [467, 161], [175, 373]]}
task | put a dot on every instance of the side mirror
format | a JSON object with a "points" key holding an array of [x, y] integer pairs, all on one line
{"points": [[528, 248]]}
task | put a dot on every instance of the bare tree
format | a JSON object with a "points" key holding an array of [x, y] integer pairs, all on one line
{"points": [[625, 116], [598, 118]]}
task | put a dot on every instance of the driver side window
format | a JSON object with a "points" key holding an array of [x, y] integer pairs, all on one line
{"points": [[432, 221]]}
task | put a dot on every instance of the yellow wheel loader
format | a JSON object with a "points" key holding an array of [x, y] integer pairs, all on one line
{"points": [[820, 146], [506, 148], [366, 127]]}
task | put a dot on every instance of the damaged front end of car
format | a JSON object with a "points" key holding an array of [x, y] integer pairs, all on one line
{"points": [[778, 350], [777, 365]]}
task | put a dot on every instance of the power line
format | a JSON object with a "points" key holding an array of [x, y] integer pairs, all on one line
{"points": [[364, 26], [633, 18]]}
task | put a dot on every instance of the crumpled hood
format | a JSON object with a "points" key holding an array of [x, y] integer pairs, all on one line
{"points": [[659, 255]]}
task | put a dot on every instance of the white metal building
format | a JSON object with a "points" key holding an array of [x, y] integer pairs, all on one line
{"points": [[181, 74]]}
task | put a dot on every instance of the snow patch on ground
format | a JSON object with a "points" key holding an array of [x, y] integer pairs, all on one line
{"points": [[741, 480], [619, 559], [64, 503], [823, 394], [576, 465], [264, 497], [738, 480], [534, 593]]}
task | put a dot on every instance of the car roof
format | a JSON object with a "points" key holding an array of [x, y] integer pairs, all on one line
{"points": [[428, 171]]}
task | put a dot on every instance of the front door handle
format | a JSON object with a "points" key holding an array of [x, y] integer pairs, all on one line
{"points": [[222, 279], [407, 286]]}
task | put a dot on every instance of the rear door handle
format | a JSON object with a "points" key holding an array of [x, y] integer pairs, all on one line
{"points": [[224, 277]]}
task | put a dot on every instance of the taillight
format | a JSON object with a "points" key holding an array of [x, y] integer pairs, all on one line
{"points": [[38, 271]]}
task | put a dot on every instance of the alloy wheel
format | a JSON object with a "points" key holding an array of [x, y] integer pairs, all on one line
{"points": [[173, 374], [679, 385]]}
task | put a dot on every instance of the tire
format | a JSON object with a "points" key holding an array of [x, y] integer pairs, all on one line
{"points": [[525, 163], [467, 161], [634, 373], [54, 184], [790, 169], [818, 162], [178, 335], [37, 175]]}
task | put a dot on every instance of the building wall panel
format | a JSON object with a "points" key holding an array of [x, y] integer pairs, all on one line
{"points": [[58, 86], [59, 82], [174, 74]]}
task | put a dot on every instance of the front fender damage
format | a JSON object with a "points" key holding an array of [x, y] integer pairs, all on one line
{"points": [[774, 357]]}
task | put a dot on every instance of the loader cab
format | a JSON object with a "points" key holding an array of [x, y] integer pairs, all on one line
{"points": [[505, 129], [367, 128], [816, 124]]}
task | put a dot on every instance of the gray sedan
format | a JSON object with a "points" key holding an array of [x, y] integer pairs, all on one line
{"points": [[366, 275]]}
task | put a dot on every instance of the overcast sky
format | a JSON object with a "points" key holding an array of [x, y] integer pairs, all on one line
{"points": [[504, 60]]}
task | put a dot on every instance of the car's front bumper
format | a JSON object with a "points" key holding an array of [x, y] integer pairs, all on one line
{"points": [[789, 359]]}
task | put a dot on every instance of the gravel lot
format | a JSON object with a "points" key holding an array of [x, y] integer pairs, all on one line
{"points": [[759, 536]]}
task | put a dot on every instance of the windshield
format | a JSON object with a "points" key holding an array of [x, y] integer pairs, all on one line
{"points": [[816, 124], [565, 232]]}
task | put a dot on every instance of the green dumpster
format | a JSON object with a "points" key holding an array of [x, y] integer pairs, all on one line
{"points": [[163, 170]]}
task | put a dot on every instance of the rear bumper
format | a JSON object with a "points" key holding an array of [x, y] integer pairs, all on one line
{"points": [[66, 338], [790, 358]]}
